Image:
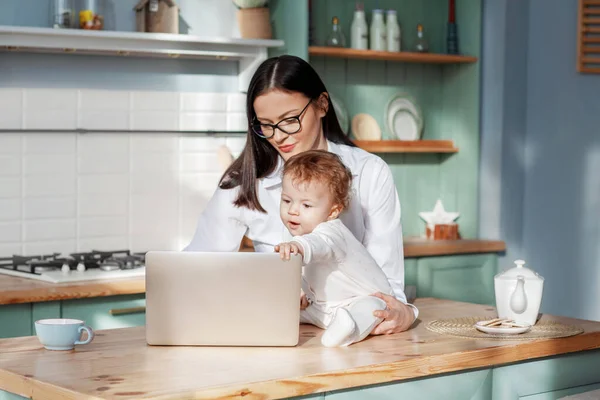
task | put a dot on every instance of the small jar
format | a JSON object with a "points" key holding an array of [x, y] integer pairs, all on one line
{"points": [[91, 15], [62, 15]]}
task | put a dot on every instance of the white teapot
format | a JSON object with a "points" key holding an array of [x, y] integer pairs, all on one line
{"points": [[519, 294]]}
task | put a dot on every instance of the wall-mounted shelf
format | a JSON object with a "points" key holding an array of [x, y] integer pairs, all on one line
{"points": [[248, 52], [402, 56], [404, 146]]}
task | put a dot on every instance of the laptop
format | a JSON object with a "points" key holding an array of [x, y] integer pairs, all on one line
{"points": [[222, 299]]}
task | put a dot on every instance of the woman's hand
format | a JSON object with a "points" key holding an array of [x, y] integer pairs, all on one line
{"points": [[303, 301], [397, 317], [286, 249]]}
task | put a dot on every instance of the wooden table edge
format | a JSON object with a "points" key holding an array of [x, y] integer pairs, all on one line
{"points": [[396, 371]]}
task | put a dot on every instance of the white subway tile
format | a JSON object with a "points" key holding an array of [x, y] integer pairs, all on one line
{"points": [[103, 184], [9, 249], [203, 183], [236, 145], [104, 120], [50, 230], [158, 183], [159, 101], [64, 247], [11, 100], [143, 243], [101, 143], [155, 120], [10, 232], [237, 122], [10, 143], [204, 102], [49, 164], [236, 102], [10, 187], [102, 164], [203, 122], [40, 207], [204, 162], [50, 143], [50, 119], [200, 144], [11, 109], [104, 100], [50, 99], [103, 226], [10, 165], [102, 205], [10, 209], [154, 162], [154, 215], [50, 185], [154, 143], [104, 244]]}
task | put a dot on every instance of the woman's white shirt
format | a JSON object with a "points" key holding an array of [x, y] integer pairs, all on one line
{"points": [[373, 216]]}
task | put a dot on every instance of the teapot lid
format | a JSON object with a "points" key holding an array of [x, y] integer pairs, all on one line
{"points": [[519, 270]]}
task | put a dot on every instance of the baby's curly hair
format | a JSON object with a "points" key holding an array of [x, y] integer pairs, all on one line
{"points": [[324, 167]]}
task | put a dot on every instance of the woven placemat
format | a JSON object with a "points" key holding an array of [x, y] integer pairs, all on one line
{"points": [[463, 327]]}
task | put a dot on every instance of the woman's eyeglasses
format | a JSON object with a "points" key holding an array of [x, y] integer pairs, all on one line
{"points": [[289, 125]]}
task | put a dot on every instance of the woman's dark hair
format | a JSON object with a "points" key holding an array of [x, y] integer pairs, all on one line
{"points": [[259, 157]]}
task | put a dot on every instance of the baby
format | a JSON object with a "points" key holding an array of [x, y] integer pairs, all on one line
{"points": [[339, 273]]}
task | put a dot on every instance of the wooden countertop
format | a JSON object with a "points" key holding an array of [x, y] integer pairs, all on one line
{"points": [[119, 365], [15, 290]]}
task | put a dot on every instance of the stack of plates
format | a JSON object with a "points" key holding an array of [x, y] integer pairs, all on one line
{"points": [[403, 118]]}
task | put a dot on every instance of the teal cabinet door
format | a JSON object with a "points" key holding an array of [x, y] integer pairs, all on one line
{"points": [[468, 278], [107, 312], [467, 386], [548, 379], [15, 320], [410, 271]]}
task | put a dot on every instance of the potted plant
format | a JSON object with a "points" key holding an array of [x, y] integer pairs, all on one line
{"points": [[254, 19]]}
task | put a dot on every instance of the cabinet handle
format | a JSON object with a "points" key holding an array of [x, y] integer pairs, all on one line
{"points": [[132, 310]]}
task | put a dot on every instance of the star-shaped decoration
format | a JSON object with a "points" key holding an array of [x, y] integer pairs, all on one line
{"points": [[439, 215]]}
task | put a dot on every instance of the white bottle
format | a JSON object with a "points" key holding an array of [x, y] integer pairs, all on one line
{"points": [[393, 31], [377, 31], [359, 31]]}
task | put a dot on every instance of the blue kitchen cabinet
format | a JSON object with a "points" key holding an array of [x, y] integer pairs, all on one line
{"points": [[475, 385], [107, 312], [15, 320], [468, 278]]}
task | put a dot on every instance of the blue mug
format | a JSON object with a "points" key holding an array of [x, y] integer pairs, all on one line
{"points": [[62, 333]]}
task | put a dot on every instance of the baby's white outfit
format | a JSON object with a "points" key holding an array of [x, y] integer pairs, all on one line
{"points": [[339, 277]]}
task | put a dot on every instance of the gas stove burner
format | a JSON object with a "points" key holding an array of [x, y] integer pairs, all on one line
{"points": [[80, 262]]}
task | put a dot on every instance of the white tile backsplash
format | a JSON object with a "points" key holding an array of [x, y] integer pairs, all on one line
{"points": [[36, 231], [10, 165], [10, 232], [66, 191], [49, 207]]}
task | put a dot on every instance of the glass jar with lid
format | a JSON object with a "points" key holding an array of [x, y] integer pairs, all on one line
{"points": [[62, 14]]}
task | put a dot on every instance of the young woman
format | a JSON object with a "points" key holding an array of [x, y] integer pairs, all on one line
{"points": [[289, 112]]}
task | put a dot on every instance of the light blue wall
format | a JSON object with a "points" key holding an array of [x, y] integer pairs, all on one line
{"points": [[540, 189], [561, 228], [198, 17]]}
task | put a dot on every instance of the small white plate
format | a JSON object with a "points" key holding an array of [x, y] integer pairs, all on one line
{"points": [[405, 126], [405, 105], [498, 330]]}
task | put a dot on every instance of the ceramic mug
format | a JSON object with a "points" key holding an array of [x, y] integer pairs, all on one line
{"points": [[62, 333]]}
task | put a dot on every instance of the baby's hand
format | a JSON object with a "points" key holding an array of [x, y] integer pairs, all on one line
{"points": [[285, 249]]}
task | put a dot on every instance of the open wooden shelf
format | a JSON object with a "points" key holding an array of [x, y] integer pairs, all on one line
{"points": [[405, 146], [403, 56]]}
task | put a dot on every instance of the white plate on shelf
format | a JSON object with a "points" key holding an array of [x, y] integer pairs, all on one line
{"points": [[341, 112], [403, 118], [500, 330]]}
